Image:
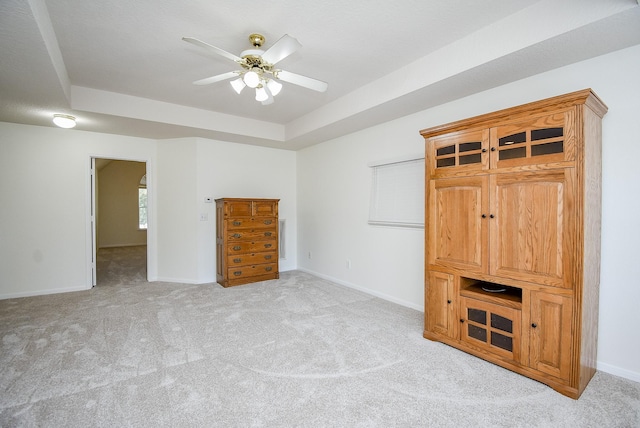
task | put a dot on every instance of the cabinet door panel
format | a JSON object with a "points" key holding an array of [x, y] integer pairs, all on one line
{"points": [[491, 327], [265, 208], [457, 233], [531, 233], [458, 152], [440, 316], [543, 139], [551, 334], [240, 208]]}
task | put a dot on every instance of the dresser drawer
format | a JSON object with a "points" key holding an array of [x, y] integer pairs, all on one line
{"points": [[251, 247], [248, 208], [252, 270], [251, 234], [250, 222], [251, 258]]}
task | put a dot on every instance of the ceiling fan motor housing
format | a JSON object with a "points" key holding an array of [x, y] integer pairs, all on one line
{"points": [[256, 39]]}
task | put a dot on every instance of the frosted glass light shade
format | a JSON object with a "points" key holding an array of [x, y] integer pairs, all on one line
{"points": [[261, 94], [64, 120], [251, 79], [274, 87], [238, 85]]}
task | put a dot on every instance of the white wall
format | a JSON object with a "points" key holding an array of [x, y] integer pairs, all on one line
{"points": [[177, 215], [228, 170], [334, 183], [45, 235], [45, 243], [192, 169]]}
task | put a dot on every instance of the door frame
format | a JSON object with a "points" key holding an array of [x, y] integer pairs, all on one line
{"points": [[91, 244]]}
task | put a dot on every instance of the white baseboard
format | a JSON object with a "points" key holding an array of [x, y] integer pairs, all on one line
{"points": [[618, 371], [178, 280], [42, 292], [365, 290]]}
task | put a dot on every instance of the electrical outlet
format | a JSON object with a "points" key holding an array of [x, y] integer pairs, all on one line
{"points": [[204, 217], [348, 263]]}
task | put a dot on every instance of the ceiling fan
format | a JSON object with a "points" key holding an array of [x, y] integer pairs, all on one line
{"points": [[258, 68]]}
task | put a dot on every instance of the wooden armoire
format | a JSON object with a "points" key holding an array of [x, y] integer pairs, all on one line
{"points": [[512, 266], [246, 240]]}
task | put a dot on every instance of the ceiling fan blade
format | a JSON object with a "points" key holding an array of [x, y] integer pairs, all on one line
{"points": [[212, 48], [281, 49], [307, 82], [217, 78]]}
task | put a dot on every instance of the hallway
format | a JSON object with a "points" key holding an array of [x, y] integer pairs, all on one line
{"points": [[121, 265]]}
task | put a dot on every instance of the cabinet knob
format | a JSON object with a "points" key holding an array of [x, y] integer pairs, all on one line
{"points": [[491, 216], [461, 319], [534, 325], [484, 216], [493, 149], [449, 301], [484, 150], [268, 268]]}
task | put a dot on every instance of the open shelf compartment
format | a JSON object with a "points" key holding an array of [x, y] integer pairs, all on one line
{"points": [[491, 292]]}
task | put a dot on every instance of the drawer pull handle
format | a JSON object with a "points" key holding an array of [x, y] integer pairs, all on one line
{"points": [[267, 234], [238, 273], [237, 260], [267, 257], [267, 222], [236, 235], [267, 245], [237, 248], [268, 268], [237, 223]]}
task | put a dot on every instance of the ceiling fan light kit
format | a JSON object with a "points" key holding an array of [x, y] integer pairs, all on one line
{"points": [[257, 68], [238, 85]]}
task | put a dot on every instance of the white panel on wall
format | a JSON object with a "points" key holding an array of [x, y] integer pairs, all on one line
{"points": [[397, 193]]}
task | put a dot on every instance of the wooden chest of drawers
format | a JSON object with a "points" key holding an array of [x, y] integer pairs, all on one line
{"points": [[246, 240]]}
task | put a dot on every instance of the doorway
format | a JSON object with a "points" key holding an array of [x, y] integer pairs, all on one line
{"points": [[119, 222]]}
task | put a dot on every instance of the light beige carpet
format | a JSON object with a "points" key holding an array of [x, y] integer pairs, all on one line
{"points": [[299, 351]]}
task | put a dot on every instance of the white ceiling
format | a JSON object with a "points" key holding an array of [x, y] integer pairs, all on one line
{"points": [[121, 67]]}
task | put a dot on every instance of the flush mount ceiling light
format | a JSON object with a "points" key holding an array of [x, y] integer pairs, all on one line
{"points": [[64, 120], [258, 70]]}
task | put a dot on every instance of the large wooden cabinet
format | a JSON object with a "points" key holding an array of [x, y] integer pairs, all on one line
{"points": [[512, 264], [246, 240]]}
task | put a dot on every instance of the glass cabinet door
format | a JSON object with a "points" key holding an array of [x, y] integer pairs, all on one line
{"points": [[490, 326]]}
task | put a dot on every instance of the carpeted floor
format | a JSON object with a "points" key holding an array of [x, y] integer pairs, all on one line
{"points": [[299, 351], [121, 265]]}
